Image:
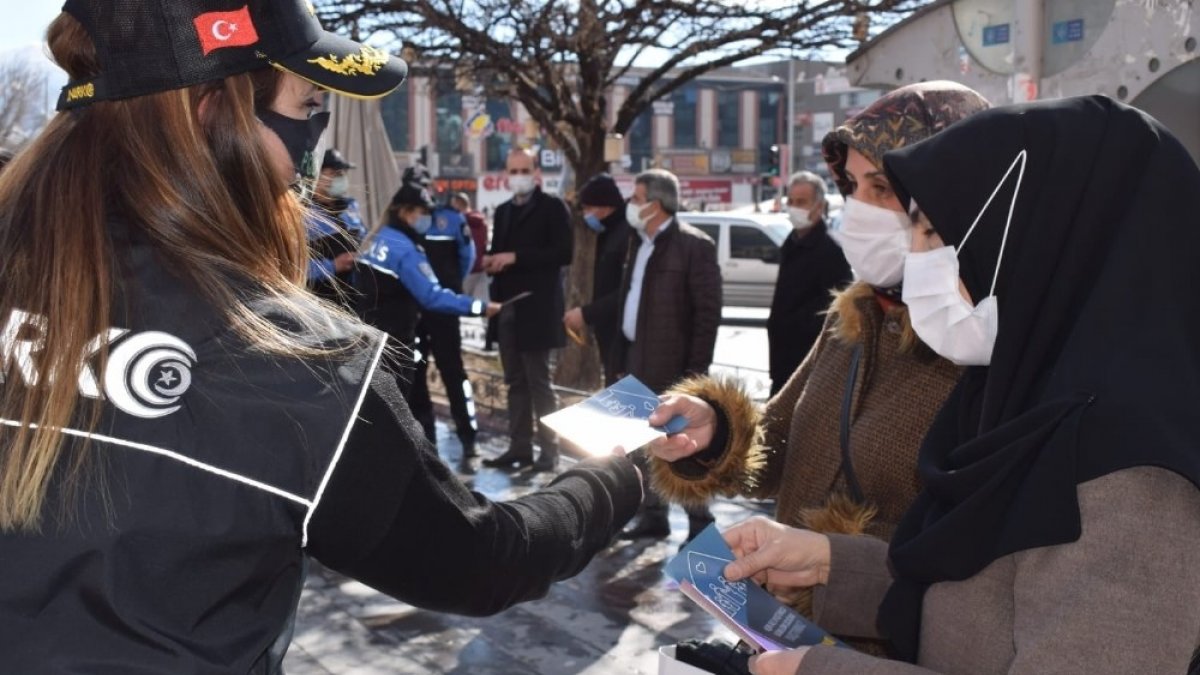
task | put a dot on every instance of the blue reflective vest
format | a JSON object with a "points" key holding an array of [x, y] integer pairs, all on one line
{"points": [[331, 232], [399, 281]]}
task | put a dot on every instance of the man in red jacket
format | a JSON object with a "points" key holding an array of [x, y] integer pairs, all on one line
{"points": [[476, 281]]}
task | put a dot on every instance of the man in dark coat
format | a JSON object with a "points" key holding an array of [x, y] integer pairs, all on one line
{"points": [[604, 213], [811, 265], [669, 311], [531, 243]]}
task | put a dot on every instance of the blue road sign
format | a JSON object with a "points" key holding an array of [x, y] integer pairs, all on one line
{"points": [[1068, 31], [995, 35]]}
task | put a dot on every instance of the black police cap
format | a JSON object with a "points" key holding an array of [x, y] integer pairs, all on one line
{"points": [[411, 194], [334, 160], [148, 46]]}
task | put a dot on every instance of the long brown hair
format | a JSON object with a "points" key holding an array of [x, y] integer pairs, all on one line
{"points": [[185, 168]]}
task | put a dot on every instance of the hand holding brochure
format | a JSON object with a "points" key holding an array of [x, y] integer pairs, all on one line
{"points": [[617, 416], [748, 610]]}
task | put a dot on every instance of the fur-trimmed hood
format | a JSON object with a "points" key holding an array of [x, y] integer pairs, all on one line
{"points": [[846, 313]]}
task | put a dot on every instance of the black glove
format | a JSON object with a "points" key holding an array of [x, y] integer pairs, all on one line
{"points": [[720, 658]]}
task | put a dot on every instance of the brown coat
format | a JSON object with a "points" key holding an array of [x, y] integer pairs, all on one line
{"points": [[679, 311], [794, 454], [1123, 598]]}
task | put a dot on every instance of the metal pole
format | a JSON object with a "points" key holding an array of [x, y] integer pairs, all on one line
{"points": [[791, 117], [1029, 36]]}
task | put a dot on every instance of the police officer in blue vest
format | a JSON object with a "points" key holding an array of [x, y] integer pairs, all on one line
{"points": [[335, 230], [451, 252], [397, 282]]}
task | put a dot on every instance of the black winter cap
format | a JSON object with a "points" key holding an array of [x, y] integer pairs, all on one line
{"points": [[148, 46], [601, 190]]}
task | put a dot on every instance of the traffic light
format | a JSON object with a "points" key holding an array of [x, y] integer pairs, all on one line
{"points": [[773, 161]]}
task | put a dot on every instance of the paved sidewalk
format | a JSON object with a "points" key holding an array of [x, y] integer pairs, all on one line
{"points": [[610, 619]]}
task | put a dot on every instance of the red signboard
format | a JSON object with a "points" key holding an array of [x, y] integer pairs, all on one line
{"points": [[706, 190], [468, 185]]}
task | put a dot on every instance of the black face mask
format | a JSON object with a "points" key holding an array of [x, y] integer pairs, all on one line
{"points": [[300, 137]]}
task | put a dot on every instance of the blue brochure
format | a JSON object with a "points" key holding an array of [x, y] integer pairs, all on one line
{"points": [[748, 610], [616, 416]]}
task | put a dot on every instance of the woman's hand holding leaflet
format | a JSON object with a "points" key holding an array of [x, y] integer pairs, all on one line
{"points": [[770, 552], [696, 436]]}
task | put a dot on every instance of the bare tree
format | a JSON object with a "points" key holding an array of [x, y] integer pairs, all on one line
{"points": [[22, 100], [560, 59]]}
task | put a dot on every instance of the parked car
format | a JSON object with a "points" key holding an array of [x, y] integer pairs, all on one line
{"points": [[747, 250]]}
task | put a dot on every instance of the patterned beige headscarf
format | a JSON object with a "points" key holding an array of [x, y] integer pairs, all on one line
{"points": [[899, 118]]}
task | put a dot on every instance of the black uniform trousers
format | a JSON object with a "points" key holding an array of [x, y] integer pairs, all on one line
{"points": [[438, 336]]}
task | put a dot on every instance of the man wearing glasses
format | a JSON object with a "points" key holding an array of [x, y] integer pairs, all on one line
{"points": [[531, 243]]}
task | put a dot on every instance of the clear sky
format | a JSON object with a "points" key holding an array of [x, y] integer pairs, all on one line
{"points": [[21, 35], [25, 21]]}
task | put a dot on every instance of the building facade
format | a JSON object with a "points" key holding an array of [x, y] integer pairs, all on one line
{"points": [[723, 134]]}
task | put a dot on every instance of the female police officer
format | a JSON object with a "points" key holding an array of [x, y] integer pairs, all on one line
{"points": [[398, 281], [179, 422]]}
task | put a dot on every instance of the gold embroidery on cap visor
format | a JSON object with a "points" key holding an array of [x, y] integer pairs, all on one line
{"points": [[82, 91], [367, 61]]}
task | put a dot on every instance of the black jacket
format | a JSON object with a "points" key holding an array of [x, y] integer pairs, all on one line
{"points": [[539, 232], [810, 266], [611, 247], [224, 465]]}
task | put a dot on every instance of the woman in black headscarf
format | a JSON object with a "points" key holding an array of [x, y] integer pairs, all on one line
{"points": [[1059, 526]]}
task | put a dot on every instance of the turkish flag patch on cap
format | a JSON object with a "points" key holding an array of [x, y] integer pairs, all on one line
{"points": [[225, 29]]}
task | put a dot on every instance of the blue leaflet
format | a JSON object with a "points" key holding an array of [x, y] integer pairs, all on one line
{"points": [[616, 416], [631, 399], [745, 608]]}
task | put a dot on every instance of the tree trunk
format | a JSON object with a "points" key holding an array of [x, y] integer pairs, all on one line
{"points": [[579, 367]]}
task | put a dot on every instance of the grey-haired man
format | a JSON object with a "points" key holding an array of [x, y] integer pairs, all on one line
{"points": [[670, 308], [811, 264]]}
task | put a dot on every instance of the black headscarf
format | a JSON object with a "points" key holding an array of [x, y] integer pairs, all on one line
{"points": [[1096, 366]]}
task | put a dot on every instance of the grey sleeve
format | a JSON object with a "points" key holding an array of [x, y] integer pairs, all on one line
{"points": [[839, 661], [1125, 597], [858, 579]]}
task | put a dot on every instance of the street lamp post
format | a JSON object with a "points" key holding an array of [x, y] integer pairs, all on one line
{"points": [[791, 117]]}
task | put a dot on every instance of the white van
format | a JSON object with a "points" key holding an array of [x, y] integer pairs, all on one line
{"points": [[747, 250]]}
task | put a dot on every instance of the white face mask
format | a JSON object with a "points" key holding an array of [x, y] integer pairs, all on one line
{"points": [[940, 315], [875, 241], [633, 213], [520, 183], [799, 218], [339, 186]]}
